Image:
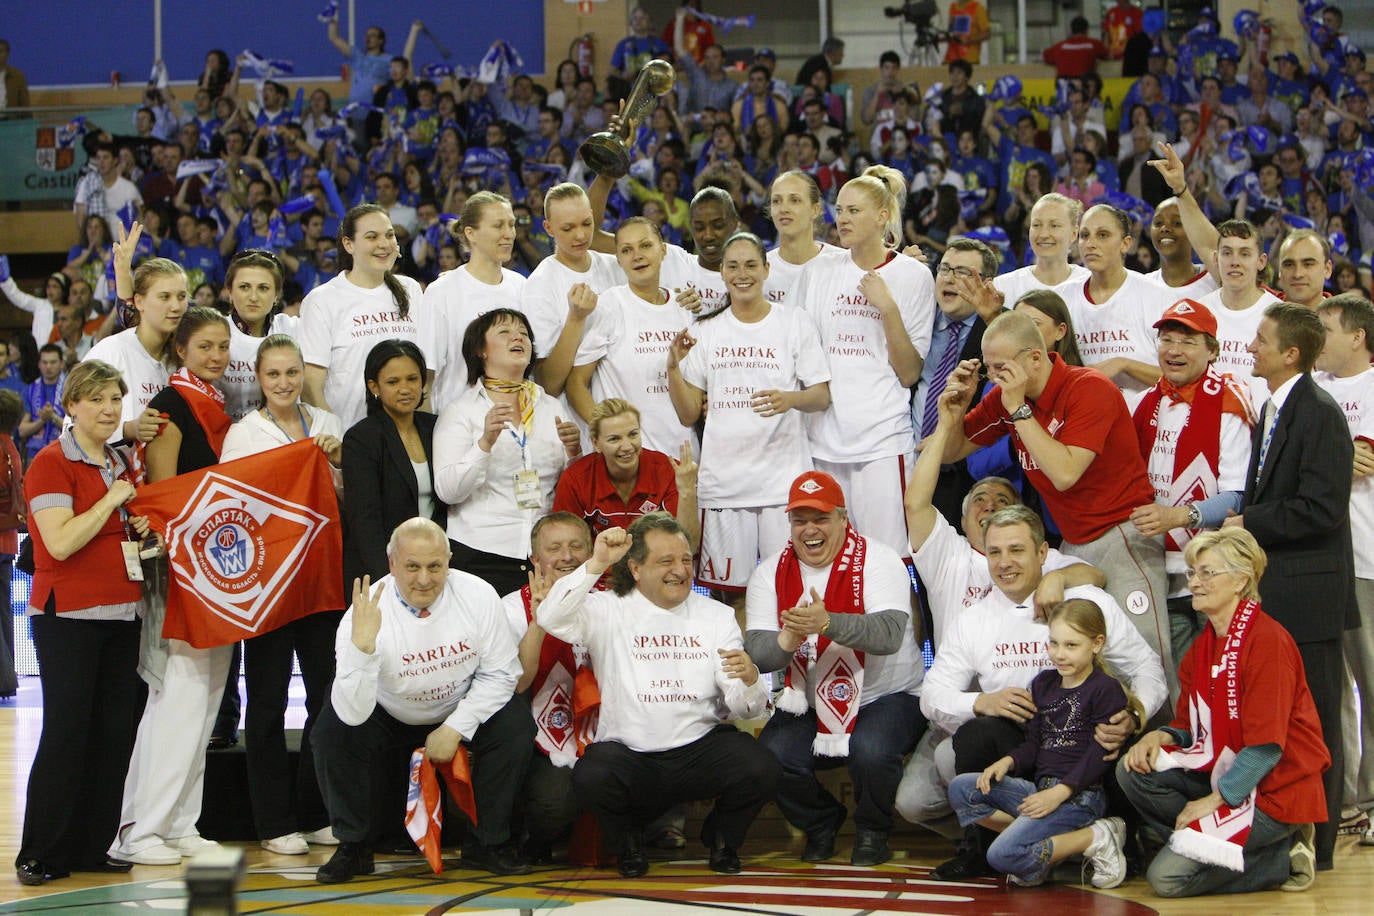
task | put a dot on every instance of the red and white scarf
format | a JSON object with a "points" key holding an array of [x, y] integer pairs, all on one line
{"points": [[1197, 453], [1219, 838], [425, 811], [839, 669], [207, 405], [566, 698]]}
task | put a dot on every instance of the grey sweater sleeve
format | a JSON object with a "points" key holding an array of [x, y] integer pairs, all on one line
{"points": [[763, 649], [876, 634]]}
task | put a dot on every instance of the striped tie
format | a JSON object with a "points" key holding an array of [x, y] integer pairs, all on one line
{"points": [[930, 417]]}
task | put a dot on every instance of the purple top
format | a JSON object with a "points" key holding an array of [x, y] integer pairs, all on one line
{"points": [[1059, 739]]}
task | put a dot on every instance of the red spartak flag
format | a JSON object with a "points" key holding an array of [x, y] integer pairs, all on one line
{"points": [[424, 810], [252, 544]]}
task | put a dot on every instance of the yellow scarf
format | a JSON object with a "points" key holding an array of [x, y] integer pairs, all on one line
{"points": [[525, 392]]}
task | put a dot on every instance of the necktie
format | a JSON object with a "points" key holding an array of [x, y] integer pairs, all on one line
{"points": [[1270, 415], [930, 416]]}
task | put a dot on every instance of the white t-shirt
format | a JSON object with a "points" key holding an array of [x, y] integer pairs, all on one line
{"points": [[1356, 397], [783, 275], [239, 384], [997, 644], [143, 375], [630, 339], [544, 299], [662, 684], [887, 587], [1121, 326], [1202, 283], [869, 416], [747, 459], [1015, 284], [956, 575], [681, 271], [1233, 466], [340, 324], [452, 302], [457, 666], [1235, 332]]}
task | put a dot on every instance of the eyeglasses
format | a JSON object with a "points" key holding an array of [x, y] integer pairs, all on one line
{"points": [[1203, 575], [963, 273], [1183, 343]]}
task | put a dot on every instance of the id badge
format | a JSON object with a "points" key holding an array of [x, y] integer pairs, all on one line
{"points": [[132, 567], [527, 489]]}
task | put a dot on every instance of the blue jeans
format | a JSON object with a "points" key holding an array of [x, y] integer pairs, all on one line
{"points": [[1159, 797], [885, 731], [1024, 848]]}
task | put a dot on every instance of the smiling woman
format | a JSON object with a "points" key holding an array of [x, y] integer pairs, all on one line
{"points": [[498, 450]]}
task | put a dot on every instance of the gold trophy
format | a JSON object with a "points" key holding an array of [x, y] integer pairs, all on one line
{"points": [[608, 152]]}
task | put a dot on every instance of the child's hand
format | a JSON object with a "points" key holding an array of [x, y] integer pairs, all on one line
{"points": [[992, 774], [1045, 801]]}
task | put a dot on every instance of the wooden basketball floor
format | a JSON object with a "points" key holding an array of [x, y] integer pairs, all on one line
{"points": [[775, 882]]}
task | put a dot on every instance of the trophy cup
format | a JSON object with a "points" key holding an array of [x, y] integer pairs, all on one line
{"points": [[608, 152]]}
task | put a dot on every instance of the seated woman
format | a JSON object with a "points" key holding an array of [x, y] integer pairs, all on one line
{"points": [[498, 450], [1234, 781], [622, 480]]}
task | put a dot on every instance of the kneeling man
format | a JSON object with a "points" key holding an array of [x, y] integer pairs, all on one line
{"points": [[834, 610], [423, 658], [671, 665]]}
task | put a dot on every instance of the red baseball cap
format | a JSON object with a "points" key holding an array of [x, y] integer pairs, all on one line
{"points": [[815, 490], [1191, 314]]}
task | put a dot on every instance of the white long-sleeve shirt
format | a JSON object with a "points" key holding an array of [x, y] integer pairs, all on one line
{"points": [[457, 666], [662, 684], [997, 643], [41, 308]]}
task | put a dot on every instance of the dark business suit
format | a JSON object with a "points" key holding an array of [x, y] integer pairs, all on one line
{"points": [[380, 491], [1298, 509], [955, 479]]}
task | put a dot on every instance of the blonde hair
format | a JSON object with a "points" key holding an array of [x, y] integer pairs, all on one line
{"points": [[88, 377], [1086, 617], [605, 410], [1074, 207], [154, 269], [565, 190], [1240, 554], [471, 214], [886, 189]]}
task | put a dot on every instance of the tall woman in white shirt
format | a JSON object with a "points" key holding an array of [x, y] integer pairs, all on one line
{"points": [[366, 303], [794, 204], [1052, 230], [486, 229], [754, 364], [1114, 311], [158, 294], [498, 450], [286, 816], [875, 311], [626, 341]]}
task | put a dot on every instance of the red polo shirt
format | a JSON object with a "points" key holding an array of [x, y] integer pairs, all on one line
{"points": [[585, 489], [1079, 407]]}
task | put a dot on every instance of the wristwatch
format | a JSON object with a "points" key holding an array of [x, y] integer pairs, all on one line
{"points": [[1194, 516], [1021, 413]]}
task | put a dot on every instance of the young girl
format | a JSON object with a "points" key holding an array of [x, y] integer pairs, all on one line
{"points": [[1059, 814]]}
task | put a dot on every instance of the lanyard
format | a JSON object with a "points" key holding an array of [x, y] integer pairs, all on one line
{"points": [[305, 427], [108, 474]]}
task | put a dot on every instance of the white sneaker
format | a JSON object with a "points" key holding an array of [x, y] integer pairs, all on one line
{"points": [[161, 854], [1109, 865], [1367, 836], [322, 837], [1016, 881], [193, 843], [291, 844]]}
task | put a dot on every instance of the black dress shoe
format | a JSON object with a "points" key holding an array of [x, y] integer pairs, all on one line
{"points": [[820, 843], [538, 852], [724, 860], [870, 848], [31, 872], [499, 860], [106, 865], [630, 861], [349, 861], [964, 867]]}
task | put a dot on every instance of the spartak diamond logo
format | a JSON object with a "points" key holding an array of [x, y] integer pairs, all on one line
{"points": [[553, 715], [838, 691], [224, 531], [808, 487]]}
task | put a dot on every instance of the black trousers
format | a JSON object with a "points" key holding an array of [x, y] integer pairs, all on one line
{"points": [[505, 574], [344, 756], [92, 702], [627, 789], [1324, 662], [282, 805]]}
